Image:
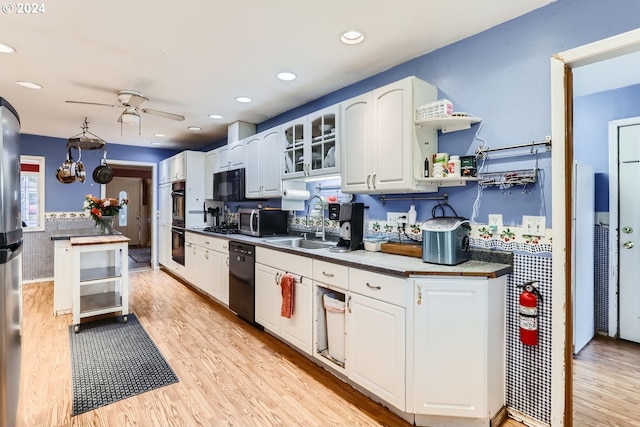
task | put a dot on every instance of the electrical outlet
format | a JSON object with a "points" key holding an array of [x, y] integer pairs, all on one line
{"points": [[394, 217], [534, 225], [495, 224]]}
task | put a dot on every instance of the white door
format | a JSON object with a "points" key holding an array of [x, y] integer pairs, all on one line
{"points": [[132, 226], [582, 264], [358, 146], [271, 153], [253, 167], [629, 226]]}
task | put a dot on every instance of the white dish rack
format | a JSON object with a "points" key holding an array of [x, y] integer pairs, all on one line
{"points": [[432, 110]]}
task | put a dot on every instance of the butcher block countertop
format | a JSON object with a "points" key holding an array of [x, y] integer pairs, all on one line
{"points": [[98, 240]]}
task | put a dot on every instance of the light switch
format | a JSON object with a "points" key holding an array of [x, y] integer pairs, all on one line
{"points": [[534, 225]]}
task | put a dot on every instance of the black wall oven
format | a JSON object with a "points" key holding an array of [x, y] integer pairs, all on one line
{"points": [[177, 245], [178, 218], [178, 210]]}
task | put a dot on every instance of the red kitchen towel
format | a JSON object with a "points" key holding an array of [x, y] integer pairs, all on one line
{"points": [[287, 285]]}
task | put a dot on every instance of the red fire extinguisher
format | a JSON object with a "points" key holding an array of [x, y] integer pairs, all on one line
{"points": [[529, 314]]}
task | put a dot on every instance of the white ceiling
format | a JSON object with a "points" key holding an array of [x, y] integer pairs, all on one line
{"points": [[193, 58]]}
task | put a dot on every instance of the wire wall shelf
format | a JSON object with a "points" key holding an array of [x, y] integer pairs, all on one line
{"points": [[506, 179]]}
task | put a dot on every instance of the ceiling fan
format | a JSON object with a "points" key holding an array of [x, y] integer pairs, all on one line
{"points": [[131, 100]]}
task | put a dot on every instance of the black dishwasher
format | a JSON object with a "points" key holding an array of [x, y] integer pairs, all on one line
{"points": [[242, 281]]}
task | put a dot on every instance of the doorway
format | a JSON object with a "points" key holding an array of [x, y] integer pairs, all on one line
{"points": [[561, 101], [135, 181]]}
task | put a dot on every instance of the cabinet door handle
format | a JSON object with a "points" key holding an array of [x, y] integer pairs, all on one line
{"points": [[373, 181], [227, 260], [375, 287], [328, 274], [368, 179], [349, 304], [419, 301], [277, 279]]}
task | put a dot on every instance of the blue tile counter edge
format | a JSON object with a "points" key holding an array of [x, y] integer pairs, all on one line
{"points": [[483, 263]]}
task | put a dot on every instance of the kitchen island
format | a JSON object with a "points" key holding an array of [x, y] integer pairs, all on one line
{"points": [[64, 268]]}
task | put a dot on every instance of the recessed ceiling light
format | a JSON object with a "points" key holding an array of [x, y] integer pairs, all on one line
{"points": [[243, 99], [5, 48], [215, 116], [159, 135], [156, 143], [352, 37], [286, 76], [30, 85], [194, 128]]}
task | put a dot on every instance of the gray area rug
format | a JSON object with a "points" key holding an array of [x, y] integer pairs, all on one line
{"points": [[140, 254], [111, 361]]}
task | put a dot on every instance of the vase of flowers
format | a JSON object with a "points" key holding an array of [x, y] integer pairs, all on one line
{"points": [[103, 211]]}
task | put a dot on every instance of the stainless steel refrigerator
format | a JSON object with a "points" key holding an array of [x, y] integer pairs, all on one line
{"points": [[10, 263]]}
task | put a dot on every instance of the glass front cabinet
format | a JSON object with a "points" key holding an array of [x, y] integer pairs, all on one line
{"points": [[311, 144]]}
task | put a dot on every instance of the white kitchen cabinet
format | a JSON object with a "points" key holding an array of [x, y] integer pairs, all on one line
{"points": [[210, 160], [164, 171], [230, 156], [270, 266], [383, 150], [459, 347], [262, 163], [312, 144], [164, 244], [177, 167], [376, 341], [207, 265]]}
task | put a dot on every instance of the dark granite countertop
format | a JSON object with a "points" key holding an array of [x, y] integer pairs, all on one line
{"points": [[483, 263], [79, 232]]}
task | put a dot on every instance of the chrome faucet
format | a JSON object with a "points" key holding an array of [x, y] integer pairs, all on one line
{"points": [[318, 233]]}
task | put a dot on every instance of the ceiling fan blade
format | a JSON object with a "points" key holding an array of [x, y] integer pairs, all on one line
{"points": [[92, 103], [164, 114], [137, 100]]}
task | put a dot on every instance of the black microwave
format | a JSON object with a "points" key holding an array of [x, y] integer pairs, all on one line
{"points": [[228, 186]]}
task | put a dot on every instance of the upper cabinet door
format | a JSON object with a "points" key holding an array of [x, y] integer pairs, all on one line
{"points": [[294, 136], [236, 155], [393, 136], [324, 144], [253, 165], [357, 146], [271, 163]]}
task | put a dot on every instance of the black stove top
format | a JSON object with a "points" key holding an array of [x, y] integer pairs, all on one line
{"points": [[222, 229]]}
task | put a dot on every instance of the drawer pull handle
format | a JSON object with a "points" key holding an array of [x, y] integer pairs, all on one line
{"points": [[349, 304], [376, 287], [419, 295], [328, 274]]}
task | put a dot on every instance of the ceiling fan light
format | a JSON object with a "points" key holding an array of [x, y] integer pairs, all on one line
{"points": [[130, 118]]}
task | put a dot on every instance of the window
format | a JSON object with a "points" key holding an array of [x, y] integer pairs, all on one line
{"points": [[32, 192]]}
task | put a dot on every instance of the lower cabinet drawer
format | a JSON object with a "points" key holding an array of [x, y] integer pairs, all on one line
{"points": [[331, 274], [379, 286]]}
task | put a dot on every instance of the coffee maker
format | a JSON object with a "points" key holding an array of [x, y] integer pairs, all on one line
{"points": [[351, 218]]}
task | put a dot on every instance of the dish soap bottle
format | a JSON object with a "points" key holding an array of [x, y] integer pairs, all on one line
{"points": [[412, 215]]}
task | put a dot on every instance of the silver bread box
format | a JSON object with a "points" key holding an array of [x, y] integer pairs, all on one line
{"points": [[445, 240]]}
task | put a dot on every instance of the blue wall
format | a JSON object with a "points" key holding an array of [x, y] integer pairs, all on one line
{"points": [[591, 116], [70, 197], [503, 76]]}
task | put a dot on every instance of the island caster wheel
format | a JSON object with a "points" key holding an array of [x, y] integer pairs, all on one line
{"points": [[76, 328]]}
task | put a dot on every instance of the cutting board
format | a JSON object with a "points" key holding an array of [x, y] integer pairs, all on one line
{"points": [[407, 249]]}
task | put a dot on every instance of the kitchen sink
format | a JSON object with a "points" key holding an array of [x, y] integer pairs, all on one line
{"points": [[302, 243]]}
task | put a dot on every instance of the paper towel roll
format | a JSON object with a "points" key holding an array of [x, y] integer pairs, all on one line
{"points": [[296, 194]]}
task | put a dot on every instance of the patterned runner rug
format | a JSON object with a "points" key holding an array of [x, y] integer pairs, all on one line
{"points": [[140, 254], [112, 360]]}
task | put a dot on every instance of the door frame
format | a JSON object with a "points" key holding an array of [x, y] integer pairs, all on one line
{"points": [[154, 209], [614, 235], [562, 339]]}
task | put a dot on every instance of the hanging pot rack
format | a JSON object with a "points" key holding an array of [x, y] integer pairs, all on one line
{"points": [[86, 140], [483, 150]]}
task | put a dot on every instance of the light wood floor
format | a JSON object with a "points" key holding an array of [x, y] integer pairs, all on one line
{"points": [[230, 373], [606, 381]]}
